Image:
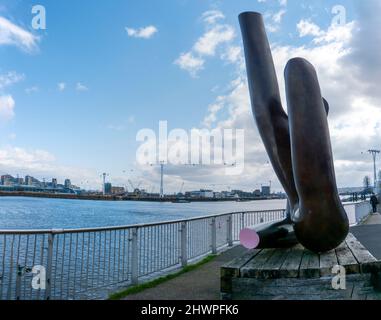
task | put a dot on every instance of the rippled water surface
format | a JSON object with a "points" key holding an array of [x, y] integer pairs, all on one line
{"points": [[40, 213]]}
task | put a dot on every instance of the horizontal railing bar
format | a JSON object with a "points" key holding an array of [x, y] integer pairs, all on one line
{"points": [[111, 228]]}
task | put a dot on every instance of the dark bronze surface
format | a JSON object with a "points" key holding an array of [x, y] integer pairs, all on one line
{"points": [[298, 145]]}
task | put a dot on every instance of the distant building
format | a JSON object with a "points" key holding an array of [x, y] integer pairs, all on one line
{"points": [[28, 180], [227, 194], [117, 190], [67, 183], [200, 194], [218, 195], [266, 192], [8, 180], [207, 193], [242, 194], [31, 181], [108, 188], [31, 184], [257, 193]]}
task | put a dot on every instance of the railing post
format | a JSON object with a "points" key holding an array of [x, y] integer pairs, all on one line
{"points": [[134, 257], [48, 281], [18, 281], [230, 230], [242, 220], [357, 218], [183, 244], [214, 236]]}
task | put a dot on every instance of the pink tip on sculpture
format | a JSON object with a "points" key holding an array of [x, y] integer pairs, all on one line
{"points": [[249, 238]]}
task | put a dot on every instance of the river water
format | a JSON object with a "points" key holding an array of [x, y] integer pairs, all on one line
{"points": [[40, 213]]}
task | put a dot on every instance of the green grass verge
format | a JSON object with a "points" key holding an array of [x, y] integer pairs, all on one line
{"points": [[156, 282]]}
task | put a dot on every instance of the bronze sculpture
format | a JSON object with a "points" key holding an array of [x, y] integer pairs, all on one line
{"points": [[298, 145]]}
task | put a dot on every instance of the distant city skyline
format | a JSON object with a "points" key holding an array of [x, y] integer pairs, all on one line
{"points": [[74, 96], [10, 180]]}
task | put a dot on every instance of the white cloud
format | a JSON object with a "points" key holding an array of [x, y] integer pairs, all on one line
{"points": [[81, 87], [336, 33], [61, 86], [217, 36], [365, 48], [355, 117], [213, 110], [145, 32], [15, 156], [187, 61], [7, 105], [273, 21], [11, 34], [10, 78], [212, 16], [232, 54], [278, 16], [31, 90], [41, 163], [308, 28]]}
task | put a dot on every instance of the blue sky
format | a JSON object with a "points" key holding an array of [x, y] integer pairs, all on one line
{"points": [[85, 85]]}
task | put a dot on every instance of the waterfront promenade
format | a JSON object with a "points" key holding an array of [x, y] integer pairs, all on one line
{"points": [[93, 262], [204, 282]]}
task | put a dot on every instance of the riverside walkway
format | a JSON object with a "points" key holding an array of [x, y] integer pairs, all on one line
{"points": [[204, 282], [200, 284]]}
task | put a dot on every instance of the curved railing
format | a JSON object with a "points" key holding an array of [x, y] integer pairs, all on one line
{"points": [[91, 263]]}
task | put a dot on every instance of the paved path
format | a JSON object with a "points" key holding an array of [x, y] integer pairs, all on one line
{"points": [[204, 282], [369, 234], [373, 219], [200, 284]]}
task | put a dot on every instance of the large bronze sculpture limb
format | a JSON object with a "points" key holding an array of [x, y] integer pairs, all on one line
{"points": [[271, 120], [314, 209], [320, 222]]}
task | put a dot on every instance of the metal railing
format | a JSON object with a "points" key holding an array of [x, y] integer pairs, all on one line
{"points": [[357, 211], [92, 263]]}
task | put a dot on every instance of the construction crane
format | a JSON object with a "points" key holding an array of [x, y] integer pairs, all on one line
{"points": [[181, 189], [162, 163], [125, 172], [131, 184], [161, 178], [374, 154]]}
